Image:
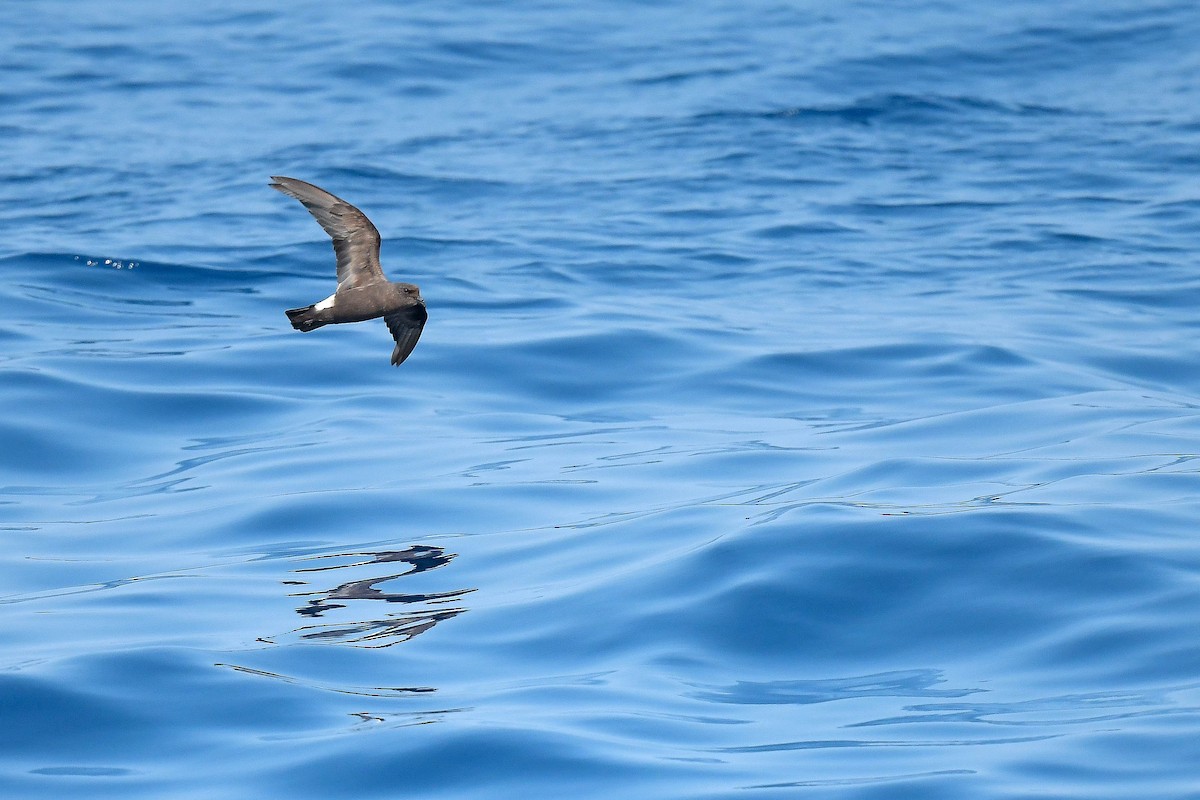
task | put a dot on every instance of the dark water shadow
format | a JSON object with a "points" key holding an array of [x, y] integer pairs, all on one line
{"points": [[423, 610]]}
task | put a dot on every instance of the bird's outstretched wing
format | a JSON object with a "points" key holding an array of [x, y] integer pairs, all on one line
{"points": [[355, 239], [405, 326]]}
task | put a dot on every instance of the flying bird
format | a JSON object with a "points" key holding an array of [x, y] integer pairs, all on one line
{"points": [[362, 290]]}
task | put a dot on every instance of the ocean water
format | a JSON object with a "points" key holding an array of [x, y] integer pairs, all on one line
{"points": [[809, 404]]}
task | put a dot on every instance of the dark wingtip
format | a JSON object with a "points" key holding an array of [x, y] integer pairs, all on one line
{"points": [[399, 357]]}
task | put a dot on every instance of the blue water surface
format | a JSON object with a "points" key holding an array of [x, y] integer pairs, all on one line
{"points": [[809, 405]]}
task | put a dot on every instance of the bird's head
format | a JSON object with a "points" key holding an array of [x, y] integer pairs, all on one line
{"points": [[409, 292]]}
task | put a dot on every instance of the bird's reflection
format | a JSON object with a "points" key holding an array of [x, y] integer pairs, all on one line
{"points": [[425, 609]]}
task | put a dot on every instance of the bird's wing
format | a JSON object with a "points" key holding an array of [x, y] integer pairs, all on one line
{"points": [[355, 239], [405, 326]]}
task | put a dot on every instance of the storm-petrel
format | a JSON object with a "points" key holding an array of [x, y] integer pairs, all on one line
{"points": [[362, 290]]}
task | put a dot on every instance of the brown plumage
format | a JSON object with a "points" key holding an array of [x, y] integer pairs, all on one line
{"points": [[363, 292]]}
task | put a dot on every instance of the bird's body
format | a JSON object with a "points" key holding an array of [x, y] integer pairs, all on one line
{"points": [[362, 291]]}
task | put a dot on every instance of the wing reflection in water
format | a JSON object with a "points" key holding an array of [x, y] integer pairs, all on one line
{"points": [[428, 609]]}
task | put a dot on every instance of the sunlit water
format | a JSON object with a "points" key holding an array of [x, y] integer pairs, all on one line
{"points": [[808, 406]]}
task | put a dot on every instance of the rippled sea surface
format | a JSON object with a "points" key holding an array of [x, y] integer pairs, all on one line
{"points": [[809, 405]]}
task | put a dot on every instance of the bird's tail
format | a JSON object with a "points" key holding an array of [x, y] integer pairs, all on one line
{"points": [[304, 319]]}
